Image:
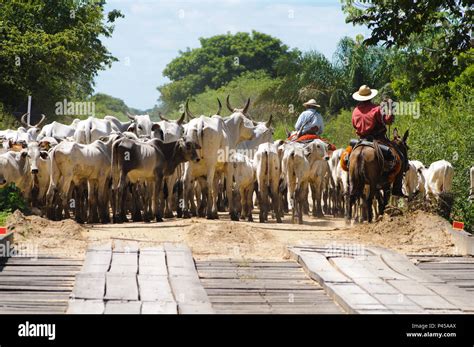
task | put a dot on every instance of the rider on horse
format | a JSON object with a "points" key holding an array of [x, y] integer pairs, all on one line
{"points": [[310, 125], [370, 121]]}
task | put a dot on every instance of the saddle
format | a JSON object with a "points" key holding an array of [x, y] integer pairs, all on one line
{"points": [[307, 138], [388, 155]]}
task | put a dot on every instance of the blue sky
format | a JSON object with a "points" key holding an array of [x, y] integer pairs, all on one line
{"points": [[154, 31]]}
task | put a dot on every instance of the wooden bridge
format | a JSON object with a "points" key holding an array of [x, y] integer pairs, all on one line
{"points": [[124, 278]]}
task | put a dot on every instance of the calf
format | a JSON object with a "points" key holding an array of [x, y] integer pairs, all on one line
{"points": [[244, 177], [268, 172]]}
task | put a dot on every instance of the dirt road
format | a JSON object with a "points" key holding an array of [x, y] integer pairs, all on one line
{"points": [[413, 233]]}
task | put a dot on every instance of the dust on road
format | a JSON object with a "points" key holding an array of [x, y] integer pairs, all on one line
{"points": [[414, 233]]}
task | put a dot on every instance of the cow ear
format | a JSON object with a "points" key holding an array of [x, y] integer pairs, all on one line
{"points": [[44, 155], [155, 127], [132, 128], [23, 154], [405, 136], [395, 132]]}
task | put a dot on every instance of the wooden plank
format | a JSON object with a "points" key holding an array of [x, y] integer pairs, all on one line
{"points": [[121, 246], [97, 261], [195, 308], [154, 288], [89, 286], [121, 287], [123, 307], [180, 259], [124, 263], [159, 308], [86, 307], [187, 290], [152, 263], [104, 246]]}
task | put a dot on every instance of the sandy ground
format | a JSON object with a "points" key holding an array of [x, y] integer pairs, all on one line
{"points": [[414, 233]]}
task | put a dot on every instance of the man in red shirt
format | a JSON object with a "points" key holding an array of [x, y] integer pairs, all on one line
{"points": [[370, 122], [367, 118]]}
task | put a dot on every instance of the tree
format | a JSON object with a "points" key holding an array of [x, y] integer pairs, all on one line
{"points": [[429, 36], [51, 49], [219, 60]]}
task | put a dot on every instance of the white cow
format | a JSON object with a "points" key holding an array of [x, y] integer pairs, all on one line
{"points": [[296, 168], [73, 164], [438, 178], [218, 139], [244, 177], [336, 191], [410, 180], [57, 130], [268, 172], [14, 168], [39, 165], [91, 129], [117, 125]]}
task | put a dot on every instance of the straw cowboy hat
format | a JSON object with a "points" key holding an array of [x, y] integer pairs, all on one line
{"points": [[365, 93], [311, 102]]}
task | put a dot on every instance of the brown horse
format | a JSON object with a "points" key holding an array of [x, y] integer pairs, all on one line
{"points": [[366, 168]]}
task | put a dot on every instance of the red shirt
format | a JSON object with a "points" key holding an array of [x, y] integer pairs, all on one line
{"points": [[367, 119]]}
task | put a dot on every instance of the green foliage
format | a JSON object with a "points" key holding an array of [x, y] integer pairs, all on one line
{"points": [[339, 129], [218, 61], [7, 121], [428, 34], [11, 199], [3, 218], [51, 50], [106, 105], [250, 84]]}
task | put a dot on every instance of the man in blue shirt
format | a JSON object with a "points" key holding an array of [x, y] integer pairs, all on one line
{"points": [[310, 121]]}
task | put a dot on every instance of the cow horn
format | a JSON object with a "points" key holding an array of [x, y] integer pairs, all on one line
{"points": [[246, 107], [181, 119], [220, 107], [23, 121], [231, 109], [43, 117], [188, 113], [130, 116], [163, 117], [269, 121]]}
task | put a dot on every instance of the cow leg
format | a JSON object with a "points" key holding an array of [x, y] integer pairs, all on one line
{"points": [[202, 192], [275, 200], [157, 205], [229, 180], [92, 187], [169, 182], [211, 195], [122, 199], [249, 203], [103, 199], [319, 210]]}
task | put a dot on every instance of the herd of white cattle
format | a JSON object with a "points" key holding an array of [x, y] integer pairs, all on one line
{"points": [[96, 168]]}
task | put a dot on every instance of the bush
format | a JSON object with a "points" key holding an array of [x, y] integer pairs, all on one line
{"points": [[11, 199], [3, 218]]}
